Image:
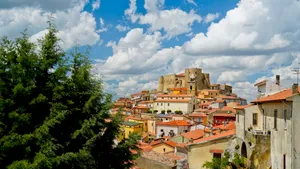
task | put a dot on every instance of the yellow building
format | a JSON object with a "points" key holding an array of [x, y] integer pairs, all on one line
{"points": [[208, 93], [161, 146], [207, 148], [142, 121], [129, 127]]}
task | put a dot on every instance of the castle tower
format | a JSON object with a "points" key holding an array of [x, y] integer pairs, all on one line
{"points": [[160, 84], [192, 80]]}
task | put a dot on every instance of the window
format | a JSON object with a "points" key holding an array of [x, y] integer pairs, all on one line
{"points": [[164, 150], [171, 98], [284, 161], [254, 119], [157, 103], [176, 97], [275, 119], [161, 104], [191, 87], [285, 117], [162, 98], [238, 117], [217, 155], [168, 104], [183, 98]]}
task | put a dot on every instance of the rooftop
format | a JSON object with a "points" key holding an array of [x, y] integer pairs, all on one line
{"points": [[173, 123], [196, 134], [276, 97], [214, 137]]}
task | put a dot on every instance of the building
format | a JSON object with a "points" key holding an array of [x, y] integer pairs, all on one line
{"points": [[229, 99], [184, 103], [123, 103], [275, 116], [193, 79], [163, 146], [176, 126], [130, 127], [267, 87], [208, 93], [223, 88], [200, 118], [207, 148], [189, 136]]}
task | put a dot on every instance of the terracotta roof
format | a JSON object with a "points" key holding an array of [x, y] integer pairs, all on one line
{"points": [[219, 101], [216, 151], [174, 156], [172, 100], [141, 107], [212, 110], [224, 115], [214, 137], [196, 134], [175, 95], [181, 74], [276, 97], [229, 126], [181, 88], [174, 123], [210, 90], [261, 83], [198, 115], [205, 104], [170, 143], [242, 107], [226, 108]]}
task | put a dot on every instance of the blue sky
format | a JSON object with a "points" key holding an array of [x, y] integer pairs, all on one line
{"points": [[133, 42]]}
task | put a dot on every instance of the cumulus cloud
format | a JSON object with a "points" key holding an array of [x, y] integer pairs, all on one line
{"points": [[173, 22], [254, 26], [75, 26], [211, 17], [96, 5], [121, 28], [53, 5]]}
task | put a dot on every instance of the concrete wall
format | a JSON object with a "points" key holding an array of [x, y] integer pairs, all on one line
{"points": [[147, 163], [296, 132], [198, 154], [249, 111], [180, 139], [240, 124], [280, 137], [185, 107], [160, 148]]}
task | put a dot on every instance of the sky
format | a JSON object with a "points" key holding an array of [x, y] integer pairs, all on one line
{"points": [[133, 42]]}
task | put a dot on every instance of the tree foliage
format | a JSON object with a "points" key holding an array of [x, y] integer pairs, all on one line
{"points": [[224, 163], [52, 111]]}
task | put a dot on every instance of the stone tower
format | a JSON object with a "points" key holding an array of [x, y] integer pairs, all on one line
{"points": [[161, 84]]}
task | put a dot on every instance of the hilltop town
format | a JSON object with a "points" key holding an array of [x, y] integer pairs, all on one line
{"points": [[187, 122]]}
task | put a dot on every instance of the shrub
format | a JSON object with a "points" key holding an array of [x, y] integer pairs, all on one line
{"points": [[237, 147], [149, 111], [155, 111], [169, 111], [163, 112]]}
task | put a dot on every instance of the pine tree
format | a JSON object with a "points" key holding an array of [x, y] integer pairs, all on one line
{"points": [[52, 111]]}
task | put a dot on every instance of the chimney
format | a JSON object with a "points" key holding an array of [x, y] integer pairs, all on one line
{"points": [[278, 80], [295, 88]]}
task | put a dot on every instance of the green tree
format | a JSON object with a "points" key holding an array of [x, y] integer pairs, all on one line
{"points": [[52, 111], [218, 163]]}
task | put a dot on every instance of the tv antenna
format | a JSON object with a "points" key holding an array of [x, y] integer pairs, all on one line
{"points": [[297, 72]]}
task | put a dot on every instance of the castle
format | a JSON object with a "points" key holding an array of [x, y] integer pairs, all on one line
{"points": [[193, 79]]}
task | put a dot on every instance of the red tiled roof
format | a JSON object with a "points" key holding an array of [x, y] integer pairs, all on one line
{"points": [[242, 107], [276, 97], [174, 123], [141, 107], [219, 101], [214, 137], [198, 115], [172, 100], [170, 143], [181, 74], [216, 151], [196, 134], [226, 108], [229, 126], [175, 95], [205, 104], [224, 115]]}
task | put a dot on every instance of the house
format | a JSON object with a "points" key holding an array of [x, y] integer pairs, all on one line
{"points": [[176, 126], [207, 148], [223, 88], [163, 146], [275, 116], [208, 93], [140, 109], [199, 118], [172, 102], [218, 104], [128, 127], [189, 136], [229, 99], [267, 87]]}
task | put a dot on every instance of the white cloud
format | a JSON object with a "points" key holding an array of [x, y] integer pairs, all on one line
{"points": [[173, 22], [211, 17], [130, 13], [122, 28], [131, 52], [96, 5], [75, 26], [231, 76], [264, 27], [192, 2], [101, 22]]}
